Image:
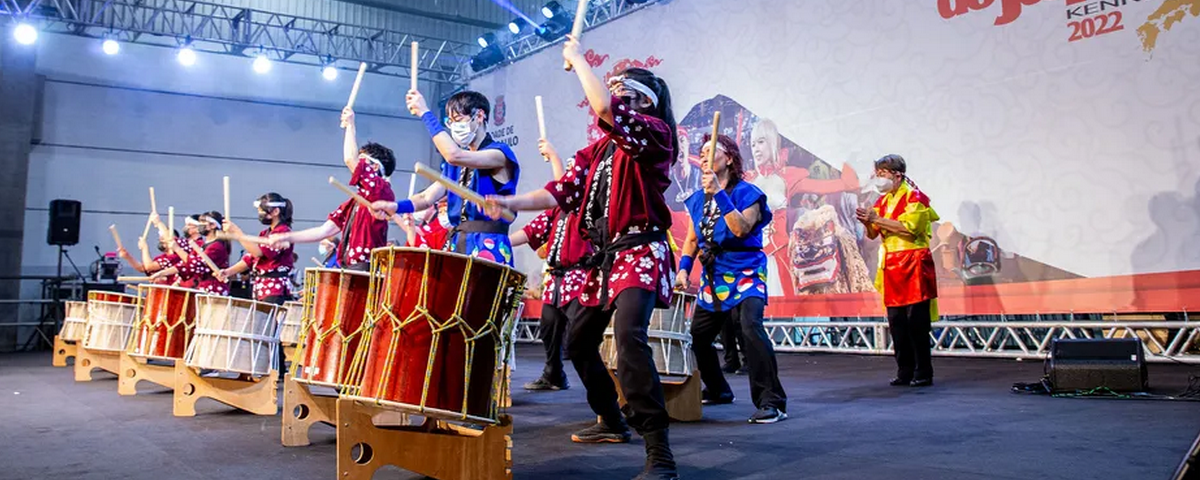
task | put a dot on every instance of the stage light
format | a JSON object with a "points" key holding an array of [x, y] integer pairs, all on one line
{"points": [[25, 34], [111, 47], [487, 39], [552, 9], [329, 72], [554, 28], [515, 25], [262, 64], [487, 58], [186, 56]]}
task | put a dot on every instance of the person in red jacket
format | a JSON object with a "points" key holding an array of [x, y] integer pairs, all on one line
{"points": [[271, 267], [193, 266]]}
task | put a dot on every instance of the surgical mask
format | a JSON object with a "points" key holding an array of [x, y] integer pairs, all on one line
{"points": [[322, 249], [264, 219], [462, 133], [884, 185]]}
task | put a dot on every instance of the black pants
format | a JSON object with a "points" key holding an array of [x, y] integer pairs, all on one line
{"points": [[645, 409], [554, 327], [910, 340], [277, 300], [765, 389], [731, 339]]}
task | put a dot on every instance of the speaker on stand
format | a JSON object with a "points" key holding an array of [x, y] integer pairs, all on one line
{"points": [[62, 230]]}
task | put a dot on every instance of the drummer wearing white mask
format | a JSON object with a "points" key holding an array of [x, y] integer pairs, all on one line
{"points": [[193, 267], [358, 226], [475, 160], [272, 267]]}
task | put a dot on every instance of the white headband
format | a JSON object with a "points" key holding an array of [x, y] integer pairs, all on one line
{"points": [[636, 86], [377, 164], [258, 204], [189, 221], [211, 221]]}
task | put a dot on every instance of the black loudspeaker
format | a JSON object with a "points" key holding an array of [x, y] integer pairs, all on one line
{"points": [[1085, 364], [1189, 468], [64, 222]]}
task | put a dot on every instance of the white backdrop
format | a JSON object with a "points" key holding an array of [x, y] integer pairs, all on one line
{"points": [[1079, 154]]}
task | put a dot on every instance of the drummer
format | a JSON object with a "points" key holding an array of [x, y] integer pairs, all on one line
{"points": [[193, 268], [165, 259], [475, 160], [271, 267], [370, 166], [561, 286], [727, 216]]}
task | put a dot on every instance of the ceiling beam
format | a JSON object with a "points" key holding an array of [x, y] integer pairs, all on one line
{"points": [[393, 7]]}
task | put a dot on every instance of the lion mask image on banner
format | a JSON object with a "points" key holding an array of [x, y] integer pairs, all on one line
{"points": [[825, 255]]}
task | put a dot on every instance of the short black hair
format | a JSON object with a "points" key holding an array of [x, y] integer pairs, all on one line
{"points": [[381, 153], [892, 163], [467, 102]]}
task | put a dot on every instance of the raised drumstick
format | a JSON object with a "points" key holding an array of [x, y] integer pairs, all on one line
{"points": [[208, 261], [415, 59], [153, 203], [146, 232], [116, 236], [541, 121], [133, 279], [237, 237], [171, 223], [318, 262], [460, 190], [353, 194], [577, 28], [362, 69], [225, 184], [412, 185], [712, 151]]}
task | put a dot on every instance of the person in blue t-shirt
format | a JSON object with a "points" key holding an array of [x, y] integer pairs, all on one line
{"points": [[477, 162], [727, 218]]}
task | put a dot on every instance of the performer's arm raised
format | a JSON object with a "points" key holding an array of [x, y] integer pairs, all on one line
{"points": [[350, 142], [486, 159]]}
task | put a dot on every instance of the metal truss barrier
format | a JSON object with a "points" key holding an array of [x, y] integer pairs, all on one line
{"points": [[1163, 341], [238, 31], [599, 13]]}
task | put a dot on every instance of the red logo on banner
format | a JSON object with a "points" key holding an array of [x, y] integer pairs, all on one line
{"points": [[594, 59], [498, 111], [1010, 10]]}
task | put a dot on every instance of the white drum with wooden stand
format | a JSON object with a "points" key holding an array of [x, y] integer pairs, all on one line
{"points": [[110, 321], [670, 338], [237, 336], [289, 328], [160, 338], [74, 328]]}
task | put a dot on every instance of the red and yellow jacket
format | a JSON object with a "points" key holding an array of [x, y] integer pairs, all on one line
{"points": [[906, 273]]}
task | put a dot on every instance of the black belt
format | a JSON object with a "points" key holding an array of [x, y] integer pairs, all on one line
{"points": [[473, 226], [708, 259], [273, 274], [607, 254]]}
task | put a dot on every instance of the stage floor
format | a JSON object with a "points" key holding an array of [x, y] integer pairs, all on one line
{"points": [[846, 423]]}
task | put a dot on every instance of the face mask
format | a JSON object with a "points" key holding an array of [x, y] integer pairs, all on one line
{"points": [[264, 219], [203, 231], [884, 185], [322, 249], [462, 133]]}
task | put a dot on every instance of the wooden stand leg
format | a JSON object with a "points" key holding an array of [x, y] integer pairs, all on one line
{"points": [[134, 370], [437, 449], [684, 399], [506, 395], [62, 351], [254, 396], [86, 360], [289, 354], [302, 410]]}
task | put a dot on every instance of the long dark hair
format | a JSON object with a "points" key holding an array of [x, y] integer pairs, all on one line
{"points": [[737, 168], [285, 212], [215, 215], [662, 109]]}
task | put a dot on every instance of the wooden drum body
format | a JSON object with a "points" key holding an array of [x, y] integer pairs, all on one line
{"points": [[75, 317], [168, 317], [670, 338], [290, 322], [110, 320], [334, 308], [234, 335], [442, 327]]}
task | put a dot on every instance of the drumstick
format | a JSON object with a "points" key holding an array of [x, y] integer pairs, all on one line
{"points": [[362, 69], [225, 184], [577, 29], [712, 151], [541, 121], [208, 261], [146, 232], [460, 190], [318, 262], [171, 222], [414, 65], [237, 237], [133, 279], [357, 198], [412, 185], [116, 236], [153, 203]]}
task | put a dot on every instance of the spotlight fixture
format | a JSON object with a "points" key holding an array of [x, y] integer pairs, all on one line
{"points": [[487, 58], [487, 39], [111, 47], [554, 28], [552, 9], [25, 34], [262, 64], [329, 72], [515, 25], [186, 56]]}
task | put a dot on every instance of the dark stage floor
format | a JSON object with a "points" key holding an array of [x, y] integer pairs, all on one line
{"points": [[845, 424]]}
